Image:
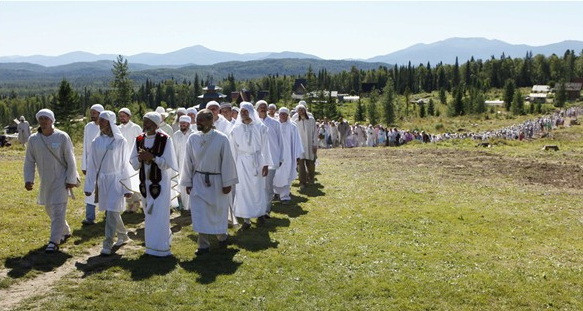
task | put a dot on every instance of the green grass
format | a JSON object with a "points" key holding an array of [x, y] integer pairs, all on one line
{"points": [[446, 226]]}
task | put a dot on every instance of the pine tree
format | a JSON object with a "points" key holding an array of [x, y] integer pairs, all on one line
{"points": [[517, 106], [388, 104], [122, 84], [561, 96], [359, 113], [371, 111], [431, 107], [509, 89], [65, 105]]}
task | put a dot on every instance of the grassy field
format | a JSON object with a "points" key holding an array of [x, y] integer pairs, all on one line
{"points": [[447, 226]]}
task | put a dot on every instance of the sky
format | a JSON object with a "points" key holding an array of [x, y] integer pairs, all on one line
{"points": [[327, 29]]}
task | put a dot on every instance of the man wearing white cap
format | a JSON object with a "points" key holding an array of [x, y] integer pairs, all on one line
{"points": [[208, 175], [191, 112], [309, 135], [226, 111], [180, 138], [153, 154], [291, 153], [130, 131], [23, 131], [106, 168], [164, 126], [250, 147], [272, 111], [89, 133], [220, 123], [275, 148], [51, 152], [181, 111], [234, 114]]}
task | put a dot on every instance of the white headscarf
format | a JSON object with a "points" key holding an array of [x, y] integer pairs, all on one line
{"points": [[212, 103], [97, 107], [110, 117], [284, 110], [184, 119], [181, 110], [261, 102], [154, 117], [162, 112], [252, 113], [126, 111], [45, 113]]}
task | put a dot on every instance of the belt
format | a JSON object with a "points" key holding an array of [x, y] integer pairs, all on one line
{"points": [[207, 179]]}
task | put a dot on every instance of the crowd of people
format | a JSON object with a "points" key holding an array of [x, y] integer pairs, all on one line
{"points": [[228, 164], [332, 134]]}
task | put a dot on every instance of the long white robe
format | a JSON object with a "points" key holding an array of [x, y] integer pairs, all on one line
{"points": [[275, 141], [309, 136], [222, 125], [250, 147], [23, 132], [108, 165], [180, 139], [89, 133], [209, 153], [52, 174], [130, 131], [292, 150], [157, 211]]}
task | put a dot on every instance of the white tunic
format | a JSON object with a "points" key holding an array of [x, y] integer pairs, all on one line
{"points": [[309, 136], [107, 166], [89, 133], [157, 211], [23, 132], [179, 140], [275, 141], [209, 153], [53, 176], [130, 131], [250, 147], [292, 150], [222, 125]]}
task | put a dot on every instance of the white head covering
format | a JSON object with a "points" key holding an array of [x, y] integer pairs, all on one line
{"points": [[45, 113], [212, 103], [300, 106], [154, 117], [303, 103], [181, 110], [184, 119], [97, 107], [261, 102], [284, 110], [22, 118], [252, 112], [110, 117], [126, 111], [236, 109], [226, 105], [191, 110], [272, 106], [162, 112]]}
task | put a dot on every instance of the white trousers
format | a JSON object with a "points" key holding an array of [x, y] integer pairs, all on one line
{"points": [[59, 226]]}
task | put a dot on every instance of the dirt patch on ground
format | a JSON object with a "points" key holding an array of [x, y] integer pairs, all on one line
{"points": [[467, 164]]}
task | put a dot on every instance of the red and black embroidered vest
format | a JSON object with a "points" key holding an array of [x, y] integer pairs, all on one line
{"points": [[155, 175]]}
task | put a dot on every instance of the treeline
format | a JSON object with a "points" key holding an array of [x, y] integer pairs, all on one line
{"points": [[465, 83]]}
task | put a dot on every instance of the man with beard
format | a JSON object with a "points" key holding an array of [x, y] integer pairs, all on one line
{"points": [[107, 166], [208, 175], [130, 131], [153, 154], [89, 133]]}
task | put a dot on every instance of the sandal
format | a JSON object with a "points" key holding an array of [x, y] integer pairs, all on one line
{"points": [[51, 248], [65, 238]]}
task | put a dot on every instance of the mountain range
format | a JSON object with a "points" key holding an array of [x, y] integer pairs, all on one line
{"points": [[444, 51]]}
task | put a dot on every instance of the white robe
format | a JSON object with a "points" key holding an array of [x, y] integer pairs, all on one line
{"points": [[130, 131], [180, 139], [222, 125], [23, 132], [309, 136], [209, 153], [52, 174], [157, 211], [275, 142], [107, 166], [250, 147], [89, 133], [292, 150], [167, 129]]}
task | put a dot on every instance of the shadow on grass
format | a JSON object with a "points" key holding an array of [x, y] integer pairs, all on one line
{"points": [[209, 266], [313, 190], [292, 210], [257, 237], [88, 232], [35, 260], [142, 268]]}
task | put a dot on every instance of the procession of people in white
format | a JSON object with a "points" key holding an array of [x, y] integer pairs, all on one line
{"points": [[220, 163]]}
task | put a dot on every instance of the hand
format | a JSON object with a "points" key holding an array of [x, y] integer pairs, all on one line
{"points": [[145, 156], [70, 186], [84, 172], [226, 190], [264, 171], [28, 185], [127, 195], [190, 188], [87, 194]]}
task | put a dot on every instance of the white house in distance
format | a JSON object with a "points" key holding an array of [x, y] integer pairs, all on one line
{"points": [[539, 94], [495, 102]]}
